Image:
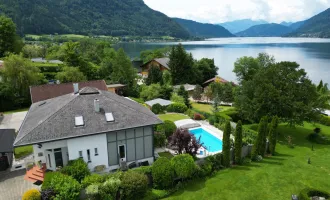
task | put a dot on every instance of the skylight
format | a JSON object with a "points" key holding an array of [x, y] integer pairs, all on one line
{"points": [[79, 121], [109, 117]]}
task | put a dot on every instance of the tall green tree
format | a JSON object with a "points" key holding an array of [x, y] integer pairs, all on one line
{"points": [[148, 55], [224, 91], [123, 71], [70, 74], [182, 92], [238, 143], [150, 92], [260, 142], [206, 70], [9, 41], [155, 75], [181, 65], [226, 145], [275, 89], [167, 78], [20, 74], [272, 137]]}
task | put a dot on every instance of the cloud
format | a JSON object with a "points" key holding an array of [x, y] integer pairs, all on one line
{"points": [[216, 11]]}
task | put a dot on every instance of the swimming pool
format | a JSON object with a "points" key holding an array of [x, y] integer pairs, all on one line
{"points": [[212, 143]]}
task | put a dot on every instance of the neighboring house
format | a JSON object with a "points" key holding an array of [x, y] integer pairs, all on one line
{"points": [[216, 79], [48, 91], [116, 88], [162, 63], [137, 65], [42, 60], [189, 88], [7, 137], [98, 126], [162, 102]]}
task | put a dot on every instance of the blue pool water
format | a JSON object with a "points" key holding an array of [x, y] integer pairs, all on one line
{"points": [[212, 143]]}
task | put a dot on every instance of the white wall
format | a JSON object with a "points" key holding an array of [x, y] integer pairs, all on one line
{"points": [[50, 145], [90, 142]]}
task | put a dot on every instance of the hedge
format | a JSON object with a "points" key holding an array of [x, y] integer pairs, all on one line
{"points": [[306, 193], [177, 107]]}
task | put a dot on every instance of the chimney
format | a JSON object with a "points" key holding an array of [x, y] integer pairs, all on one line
{"points": [[75, 88], [97, 105]]}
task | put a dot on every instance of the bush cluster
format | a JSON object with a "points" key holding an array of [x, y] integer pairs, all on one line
{"points": [[64, 186], [162, 173], [168, 128], [133, 185], [78, 169], [184, 165], [92, 179], [177, 107], [159, 139], [158, 109], [32, 194]]}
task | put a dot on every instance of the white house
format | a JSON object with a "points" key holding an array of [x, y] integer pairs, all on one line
{"points": [[98, 126]]}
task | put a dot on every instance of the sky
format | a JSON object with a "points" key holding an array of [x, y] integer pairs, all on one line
{"points": [[218, 11]]}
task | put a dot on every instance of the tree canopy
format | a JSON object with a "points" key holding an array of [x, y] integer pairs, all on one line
{"points": [[70, 74], [274, 89], [9, 41]]}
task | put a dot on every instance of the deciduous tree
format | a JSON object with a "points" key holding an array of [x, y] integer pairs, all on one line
{"points": [[70, 74], [9, 41], [185, 142], [197, 94]]}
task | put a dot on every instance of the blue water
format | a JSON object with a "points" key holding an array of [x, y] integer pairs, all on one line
{"points": [[211, 143]]}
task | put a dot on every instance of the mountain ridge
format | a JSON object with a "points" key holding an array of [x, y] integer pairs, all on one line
{"points": [[241, 25], [265, 30]]}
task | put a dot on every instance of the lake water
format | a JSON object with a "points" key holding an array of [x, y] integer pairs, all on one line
{"points": [[312, 54]]}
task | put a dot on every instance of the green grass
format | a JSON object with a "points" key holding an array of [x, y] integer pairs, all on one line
{"points": [[14, 111], [172, 117], [45, 64], [23, 151], [165, 154], [208, 107], [276, 177]]}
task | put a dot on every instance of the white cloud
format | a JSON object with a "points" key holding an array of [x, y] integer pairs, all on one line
{"points": [[216, 11]]}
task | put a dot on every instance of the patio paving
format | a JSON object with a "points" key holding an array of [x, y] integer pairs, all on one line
{"points": [[13, 185], [13, 121]]}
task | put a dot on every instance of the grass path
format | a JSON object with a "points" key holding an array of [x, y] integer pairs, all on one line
{"points": [[208, 107], [275, 177], [172, 117]]}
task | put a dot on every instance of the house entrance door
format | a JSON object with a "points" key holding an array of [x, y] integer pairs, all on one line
{"points": [[58, 157], [122, 153]]}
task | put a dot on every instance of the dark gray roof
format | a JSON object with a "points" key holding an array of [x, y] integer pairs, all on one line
{"points": [[163, 61], [54, 119], [7, 137]]}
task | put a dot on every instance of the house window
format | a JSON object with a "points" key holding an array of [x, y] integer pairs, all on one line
{"points": [[50, 162], [88, 156], [96, 153], [80, 154], [40, 154]]}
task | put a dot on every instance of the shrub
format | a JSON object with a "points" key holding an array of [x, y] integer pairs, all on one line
{"points": [[307, 193], [198, 116], [162, 173], [205, 169], [177, 107], [134, 185], [92, 191], [109, 189], [63, 185], [215, 161], [157, 109], [32, 194], [156, 194], [169, 127], [91, 179], [48, 194], [212, 120], [47, 180], [78, 169], [159, 139], [143, 169], [325, 120], [184, 165]]}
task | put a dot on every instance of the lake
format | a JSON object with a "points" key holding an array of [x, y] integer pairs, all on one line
{"points": [[313, 54]]}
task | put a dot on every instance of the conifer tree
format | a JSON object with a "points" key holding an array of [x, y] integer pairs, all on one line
{"points": [[272, 138], [238, 143], [226, 145], [260, 142]]}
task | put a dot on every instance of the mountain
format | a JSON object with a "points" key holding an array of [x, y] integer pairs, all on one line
{"points": [[284, 23], [265, 30], [296, 25], [317, 26], [241, 25], [203, 30], [100, 17]]}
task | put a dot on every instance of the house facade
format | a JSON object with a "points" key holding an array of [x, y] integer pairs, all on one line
{"points": [[162, 63], [98, 126]]}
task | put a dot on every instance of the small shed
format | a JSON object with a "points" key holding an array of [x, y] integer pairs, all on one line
{"points": [[7, 138], [162, 102]]}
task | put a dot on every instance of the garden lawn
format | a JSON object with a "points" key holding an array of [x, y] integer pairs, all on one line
{"points": [[14, 111], [208, 107], [275, 177], [172, 117], [23, 151]]}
